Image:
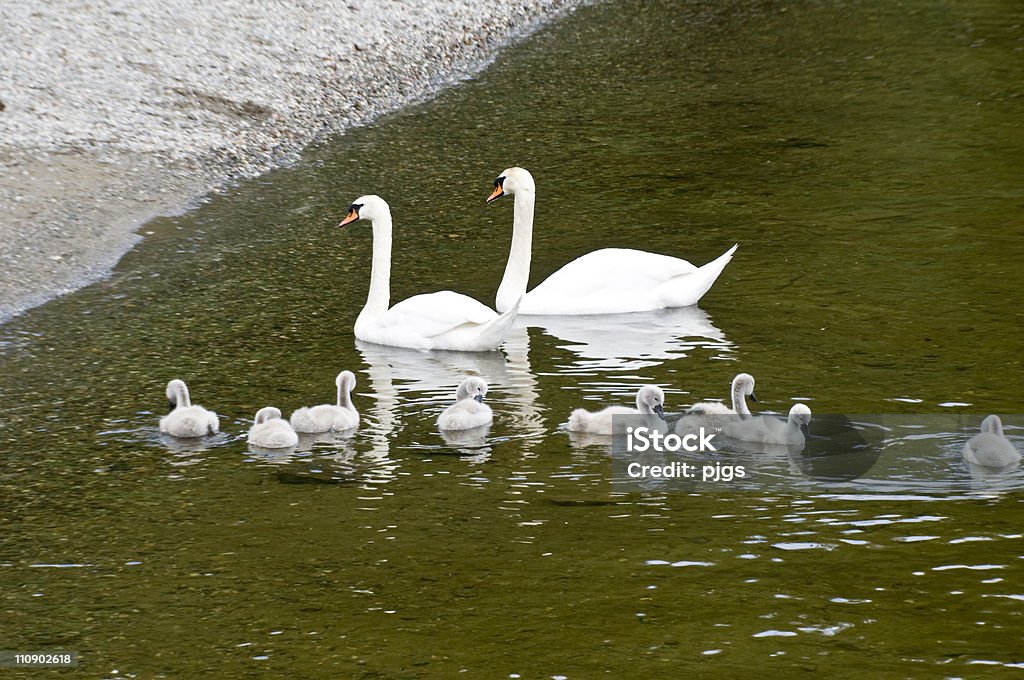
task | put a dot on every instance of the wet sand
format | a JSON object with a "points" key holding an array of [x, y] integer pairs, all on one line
{"points": [[111, 114]]}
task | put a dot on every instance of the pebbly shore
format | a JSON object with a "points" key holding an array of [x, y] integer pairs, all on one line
{"points": [[114, 112]]}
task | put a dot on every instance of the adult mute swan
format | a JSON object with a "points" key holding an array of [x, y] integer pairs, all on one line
{"points": [[990, 448], [327, 417], [768, 429], [650, 400], [186, 420], [606, 281], [270, 431], [442, 320], [469, 409]]}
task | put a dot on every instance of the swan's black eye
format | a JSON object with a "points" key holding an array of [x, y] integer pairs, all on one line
{"points": [[498, 182], [356, 207]]}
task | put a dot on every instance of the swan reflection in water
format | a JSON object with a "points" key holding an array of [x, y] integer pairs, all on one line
{"points": [[621, 343], [411, 385], [472, 438], [626, 342], [340, 444], [187, 452]]}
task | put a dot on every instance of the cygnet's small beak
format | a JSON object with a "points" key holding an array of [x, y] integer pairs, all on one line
{"points": [[352, 216], [660, 411], [805, 429], [479, 398], [752, 397], [499, 190]]}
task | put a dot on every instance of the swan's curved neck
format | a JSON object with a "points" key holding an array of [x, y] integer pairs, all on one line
{"points": [[993, 425], [379, 298], [739, 400], [344, 395], [181, 398], [517, 271]]}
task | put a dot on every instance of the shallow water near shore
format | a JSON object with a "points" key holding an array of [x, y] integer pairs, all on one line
{"points": [[866, 159]]}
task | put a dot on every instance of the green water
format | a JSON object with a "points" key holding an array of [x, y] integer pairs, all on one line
{"points": [[867, 158]]}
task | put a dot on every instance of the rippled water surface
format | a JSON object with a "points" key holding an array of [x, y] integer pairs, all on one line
{"points": [[867, 158]]}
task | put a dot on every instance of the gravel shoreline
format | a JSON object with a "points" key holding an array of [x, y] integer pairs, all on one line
{"points": [[112, 113]]}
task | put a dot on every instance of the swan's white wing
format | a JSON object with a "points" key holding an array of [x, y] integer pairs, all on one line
{"points": [[432, 314], [710, 415], [273, 434], [605, 281], [598, 422], [709, 408], [765, 429], [990, 450], [190, 421], [465, 415], [613, 270], [312, 420], [755, 429]]}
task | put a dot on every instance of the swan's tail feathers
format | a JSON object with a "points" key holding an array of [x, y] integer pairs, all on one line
{"points": [[213, 423], [494, 331], [686, 289]]}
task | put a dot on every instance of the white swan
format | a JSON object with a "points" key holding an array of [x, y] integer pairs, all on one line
{"points": [[715, 414], [990, 448], [606, 281], [270, 431], [327, 417], [186, 420], [767, 429], [469, 410], [442, 320], [741, 388], [650, 400]]}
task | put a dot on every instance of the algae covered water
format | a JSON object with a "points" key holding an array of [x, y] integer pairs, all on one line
{"points": [[866, 159]]}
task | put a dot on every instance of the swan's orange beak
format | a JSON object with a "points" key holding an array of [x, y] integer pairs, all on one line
{"points": [[497, 193], [352, 216]]}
